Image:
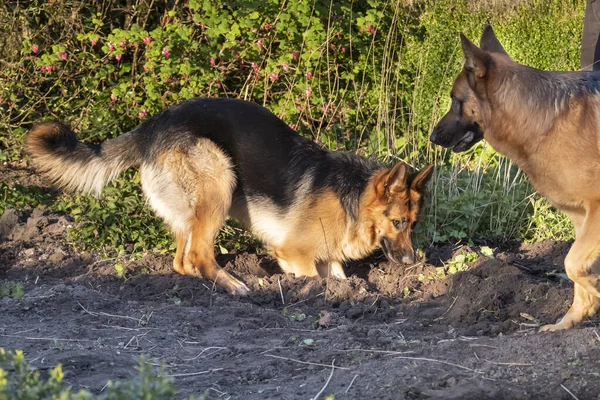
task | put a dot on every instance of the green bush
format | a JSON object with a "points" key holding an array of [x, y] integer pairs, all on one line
{"points": [[372, 76], [19, 381]]}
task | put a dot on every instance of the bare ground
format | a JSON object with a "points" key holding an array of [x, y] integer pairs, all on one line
{"points": [[472, 335]]}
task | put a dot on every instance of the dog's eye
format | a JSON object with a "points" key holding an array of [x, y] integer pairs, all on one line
{"points": [[399, 224]]}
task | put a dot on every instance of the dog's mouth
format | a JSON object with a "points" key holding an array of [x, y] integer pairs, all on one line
{"points": [[393, 257], [465, 143], [385, 247]]}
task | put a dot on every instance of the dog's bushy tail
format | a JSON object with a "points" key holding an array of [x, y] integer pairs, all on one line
{"points": [[78, 166]]}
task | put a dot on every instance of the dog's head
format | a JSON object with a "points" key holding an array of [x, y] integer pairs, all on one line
{"points": [[464, 125], [393, 210]]}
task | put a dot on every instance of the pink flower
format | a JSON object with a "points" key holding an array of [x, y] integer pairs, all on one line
{"points": [[293, 126], [113, 98], [267, 26], [147, 40], [94, 41], [10, 104], [145, 68], [273, 76], [135, 45], [142, 114], [295, 55], [118, 57], [344, 50], [43, 68], [259, 44], [124, 44], [111, 46], [63, 55], [35, 49], [165, 52], [308, 75], [212, 61], [254, 66], [308, 92], [219, 85], [285, 67]]}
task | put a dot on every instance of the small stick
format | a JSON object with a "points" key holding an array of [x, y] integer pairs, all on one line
{"points": [[194, 373], [386, 352], [446, 312], [304, 362], [107, 315], [598, 336], [351, 382], [280, 291], [105, 385], [327, 382], [509, 364], [202, 352], [49, 338], [568, 391], [442, 362], [482, 345]]}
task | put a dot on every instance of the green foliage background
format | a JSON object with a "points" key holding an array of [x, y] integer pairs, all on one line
{"points": [[372, 76]]}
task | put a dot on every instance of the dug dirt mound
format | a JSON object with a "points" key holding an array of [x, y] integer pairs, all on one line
{"points": [[497, 297]]}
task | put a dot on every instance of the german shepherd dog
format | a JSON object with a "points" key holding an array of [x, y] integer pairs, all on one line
{"points": [[548, 123], [207, 158]]}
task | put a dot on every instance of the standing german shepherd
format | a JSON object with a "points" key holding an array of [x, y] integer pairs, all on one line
{"points": [[209, 157], [548, 123]]}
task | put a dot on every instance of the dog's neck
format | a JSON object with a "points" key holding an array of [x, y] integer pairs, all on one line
{"points": [[526, 107]]}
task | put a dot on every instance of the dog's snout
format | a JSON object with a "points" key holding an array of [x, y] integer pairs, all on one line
{"points": [[408, 259], [433, 136]]}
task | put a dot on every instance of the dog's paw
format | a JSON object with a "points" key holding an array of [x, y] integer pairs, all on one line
{"points": [[337, 271], [237, 288], [559, 326]]}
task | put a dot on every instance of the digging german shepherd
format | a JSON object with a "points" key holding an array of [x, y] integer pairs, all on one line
{"points": [[207, 158], [548, 123]]}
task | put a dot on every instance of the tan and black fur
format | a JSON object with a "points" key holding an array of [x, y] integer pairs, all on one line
{"points": [[548, 123], [207, 158]]}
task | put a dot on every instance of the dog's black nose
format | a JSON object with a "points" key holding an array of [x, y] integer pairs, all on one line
{"points": [[433, 136]]}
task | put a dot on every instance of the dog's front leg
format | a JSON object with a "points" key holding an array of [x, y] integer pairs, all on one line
{"points": [[296, 261], [332, 269], [582, 265]]}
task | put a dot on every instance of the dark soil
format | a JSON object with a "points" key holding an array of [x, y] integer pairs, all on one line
{"points": [[391, 332]]}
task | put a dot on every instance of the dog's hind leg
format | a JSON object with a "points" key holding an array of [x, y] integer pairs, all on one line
{"points": [[191, 189], [181, 241], [582, 265], [200, 258]]}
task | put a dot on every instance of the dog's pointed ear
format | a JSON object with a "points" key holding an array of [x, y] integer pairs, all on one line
{"points": [[396, 180], [476, 60], [419, 183], [489, 42]]}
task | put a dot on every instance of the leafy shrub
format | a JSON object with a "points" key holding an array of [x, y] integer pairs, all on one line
{"points": [[372, 76], [19, 381]]}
